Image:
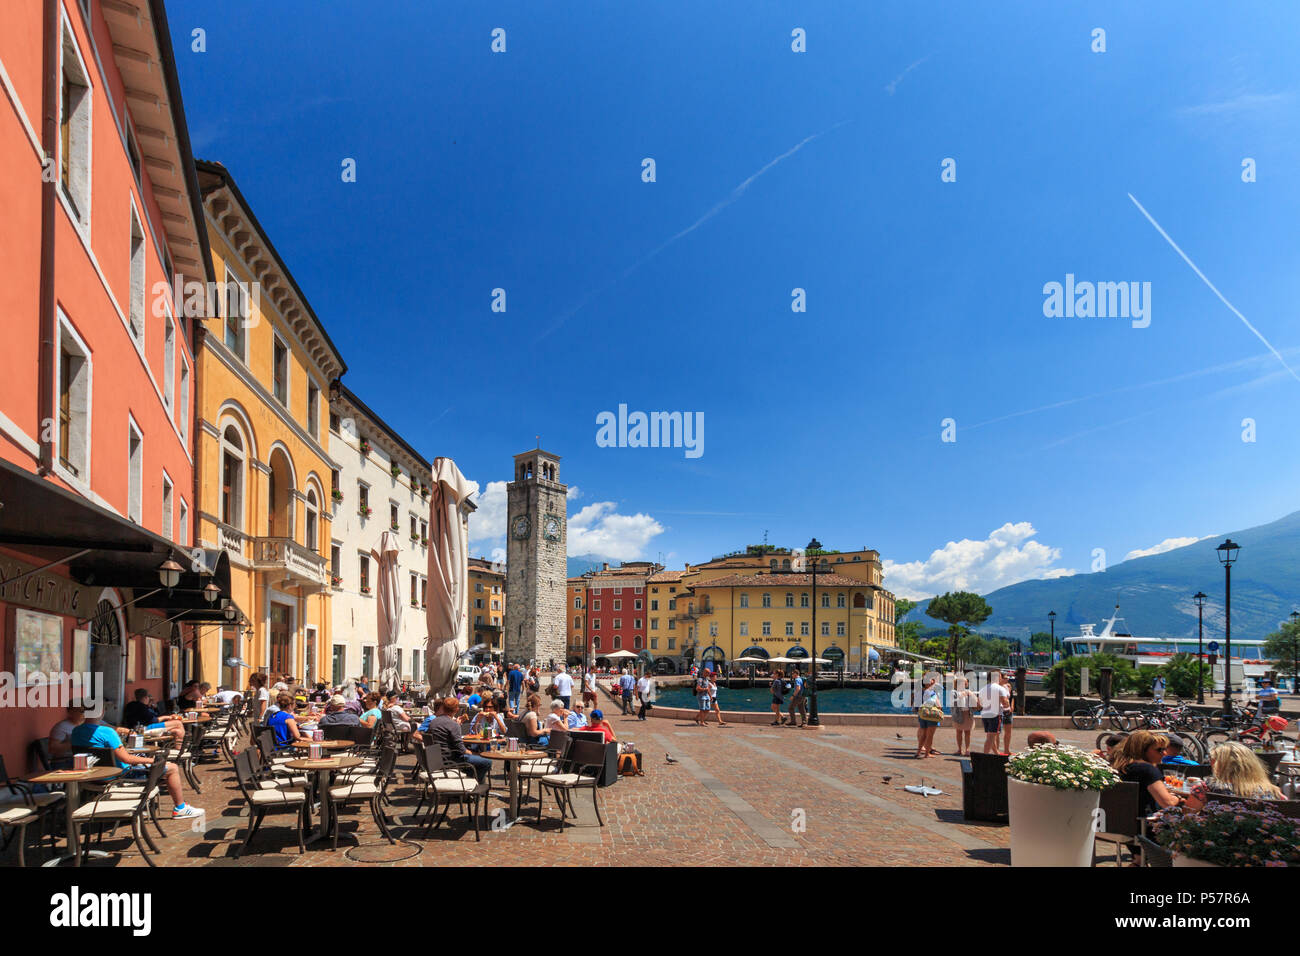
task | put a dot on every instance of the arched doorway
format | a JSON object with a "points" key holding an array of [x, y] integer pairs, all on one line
{"points": [[714, 657], [279, 500]]}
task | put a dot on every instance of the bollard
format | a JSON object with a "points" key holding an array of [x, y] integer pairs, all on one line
{"points": [[1060, 692], [1020, 691], [1104, 684]]}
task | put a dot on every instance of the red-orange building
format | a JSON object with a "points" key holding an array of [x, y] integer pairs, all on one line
{"points": [[101, 222]]}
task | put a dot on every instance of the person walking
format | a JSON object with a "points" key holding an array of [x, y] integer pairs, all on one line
{"points": [[589, 688], [778, 697], [563, 686], [713, 697], [702, 696], [626, 684], [797, 699], [514, 686], [645, 690]]}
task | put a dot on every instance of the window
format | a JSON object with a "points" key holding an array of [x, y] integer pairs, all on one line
{"points": [[478, 587], [236, 315], [617, 591], [618, 642], [135, 473], [363, 498], [637, 604], [368, 662], [637, 591], [826, 600], [74, 403], [595, 643], [636, 623], [713, 630], [577, 604], [74, 131], [133, 154], [767, 600], [595, 605], [618, 604], [654, 643], [744, 628], [183, 419], [424, 588], [803, 629], [672, 604], [135, 301], [789, 628], [767, 628], [310, 525], [414, 533], [496, 605], [803, 599], [672, 625], [336, 564], [424, 536], [839, 629], [334, 422], [280, 371], [839, 600], [636, 643], [167, 505], [232, 478], [744, 600], [313, 409], [478, 604], [654, 623], [654, 604], [789, 599], [183, 523], [826, 629], [415, 589], [478, 620], [334, 482], [169, 363], [365, 573], [595, 624], [577, 624], [672, 643], [618, 623]]}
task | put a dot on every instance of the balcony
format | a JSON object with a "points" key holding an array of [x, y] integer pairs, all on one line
{"points": [[289, 564], [692, 613], [231, 539]]}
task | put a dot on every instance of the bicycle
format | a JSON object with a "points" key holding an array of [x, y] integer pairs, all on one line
{"points": [[1089, 718]]}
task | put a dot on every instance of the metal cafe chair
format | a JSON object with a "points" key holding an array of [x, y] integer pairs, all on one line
{"points": [[1120, 806], [263, 800], [368, 788], [583, 766], [449, 782], [120, 806]]}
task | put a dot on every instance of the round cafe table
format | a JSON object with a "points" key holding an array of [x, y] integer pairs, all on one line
{"points": [[72, 781], [512, 759], [325, 745], [323, 767], [190, 717]]}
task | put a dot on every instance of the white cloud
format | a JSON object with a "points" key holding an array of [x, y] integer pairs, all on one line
{"points": [[488, 523], [596, 529], [599, 529], [1169, 544], [1006, 556]]}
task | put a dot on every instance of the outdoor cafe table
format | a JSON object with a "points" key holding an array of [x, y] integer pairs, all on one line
{"points": [[512, 759], [190, 717], [323, 767], [72, 781], [324, 744]]}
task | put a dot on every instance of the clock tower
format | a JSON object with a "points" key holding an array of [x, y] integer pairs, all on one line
{"points": [[536, 560]]}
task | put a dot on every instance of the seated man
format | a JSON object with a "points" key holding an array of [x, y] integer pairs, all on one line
{"points": [[1174, 753], [227, 697], [443, 730], [141, 712], [577, 719], [60, 734], [87, 735], [189, 696], [1039, 738], [337, 714]]}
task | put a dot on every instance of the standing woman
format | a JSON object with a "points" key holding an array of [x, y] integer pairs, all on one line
{"points": [[258, 694], [925, 719], [713, 698], [964, 705], [778, 697]]}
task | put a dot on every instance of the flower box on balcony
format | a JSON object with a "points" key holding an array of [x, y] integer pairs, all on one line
{"points": [[395, 471], [336, 581], [393, 526], [414, 605], [364, 589], [336, 495], [365, 448], [414, 538], [424, 540], [365, 512]]}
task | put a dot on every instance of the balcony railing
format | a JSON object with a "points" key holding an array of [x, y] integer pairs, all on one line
{"points": [[300, 566], [231, 539], [693, 613]]}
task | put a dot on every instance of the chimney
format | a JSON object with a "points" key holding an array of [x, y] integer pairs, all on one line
{"points": [[604, 566]]}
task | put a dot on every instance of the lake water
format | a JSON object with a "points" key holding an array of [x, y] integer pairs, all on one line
{"points": [[758, 699]]}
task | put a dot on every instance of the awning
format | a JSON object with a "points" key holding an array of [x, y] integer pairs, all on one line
{"points": [[101, 549]]}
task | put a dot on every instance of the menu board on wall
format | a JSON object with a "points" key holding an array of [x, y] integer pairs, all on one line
{"points": [[38, 646]]}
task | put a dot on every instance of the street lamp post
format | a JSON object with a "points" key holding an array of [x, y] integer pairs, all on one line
{"points": [[1199, 597], [1051, 619], [1227, 555], [813, 719]]}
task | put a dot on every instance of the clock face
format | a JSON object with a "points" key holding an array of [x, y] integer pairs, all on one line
{"points": [[521, 527], [551, 528]]}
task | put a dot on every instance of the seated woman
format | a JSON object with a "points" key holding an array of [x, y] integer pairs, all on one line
{"points": [[1137, 761], [371, 714], [282, 723], [189, 697], [1239, 773], [488, 716], [534, 734], [401, 722]]}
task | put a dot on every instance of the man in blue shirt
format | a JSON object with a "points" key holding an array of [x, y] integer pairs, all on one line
{"points": [[515, 685], [1174, 753], [626, 683], [104, 737], [577, 719]]}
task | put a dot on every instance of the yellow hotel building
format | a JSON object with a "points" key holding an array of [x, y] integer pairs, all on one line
{"points": [[755, 603], [264, 367]]}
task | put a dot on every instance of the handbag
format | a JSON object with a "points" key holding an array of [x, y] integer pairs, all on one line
{"points": [[931, 712]]}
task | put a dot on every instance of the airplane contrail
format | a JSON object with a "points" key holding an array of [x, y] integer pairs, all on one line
{"points": [[735, 194], [1232, 307]]}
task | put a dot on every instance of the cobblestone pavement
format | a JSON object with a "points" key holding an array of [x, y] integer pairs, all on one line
{"points": [[738, 795]]}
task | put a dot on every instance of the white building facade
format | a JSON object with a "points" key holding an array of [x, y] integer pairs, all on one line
{"points": [[381, 484]]}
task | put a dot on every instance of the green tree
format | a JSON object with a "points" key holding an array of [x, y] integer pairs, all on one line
{"points": [[1181, 675], [1283, 647], [908, 636], [960, 610], [1126, 679], [1040, 641]]}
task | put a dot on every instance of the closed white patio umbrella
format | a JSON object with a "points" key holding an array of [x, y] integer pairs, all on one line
{"points": [[447, 613], [389, 606]]}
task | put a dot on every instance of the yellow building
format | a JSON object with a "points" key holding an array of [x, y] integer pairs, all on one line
{"points": [[755, 603], [575, 608], [487, 608], [264, 365]]}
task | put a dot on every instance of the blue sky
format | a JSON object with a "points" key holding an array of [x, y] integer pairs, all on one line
{"points": [[522, 170]]}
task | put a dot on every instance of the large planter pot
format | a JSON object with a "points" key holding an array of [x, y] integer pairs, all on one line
{"points": [[1050, 827], [1182, 859]]}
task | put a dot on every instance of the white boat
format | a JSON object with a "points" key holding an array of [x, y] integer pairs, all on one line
{"points": [[1247, 652]]}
